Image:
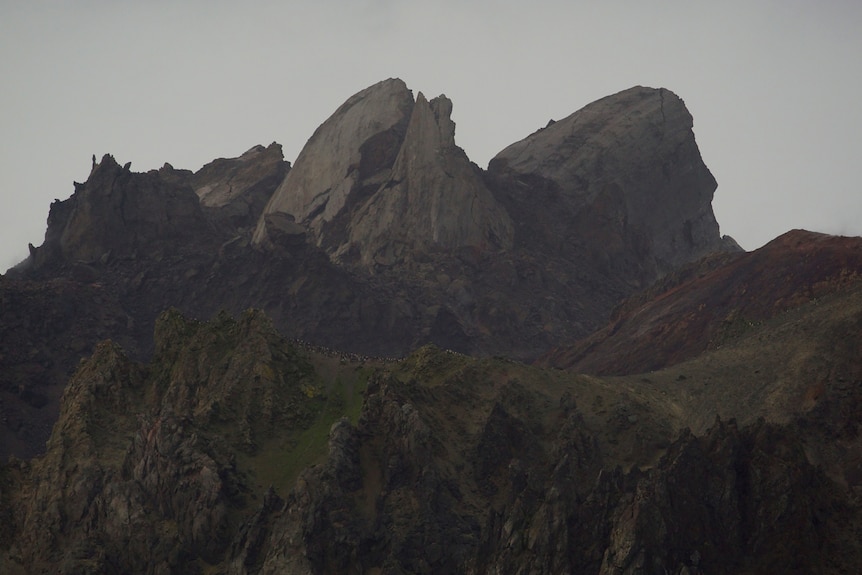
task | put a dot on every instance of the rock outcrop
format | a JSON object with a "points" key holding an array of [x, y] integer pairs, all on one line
{"points": [[434, 197], [620, 182], [382, 177], [346, 158], [119, 213], [238, 189]]}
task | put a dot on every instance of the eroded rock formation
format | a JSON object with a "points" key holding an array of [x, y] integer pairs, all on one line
{"points": [[620, 181], [382, 178]]}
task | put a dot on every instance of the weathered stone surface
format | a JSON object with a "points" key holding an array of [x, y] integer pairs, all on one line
{"points": [[382, 178], [238, 189], [346, 153], [434, 197], [119, 213], [622, 180]]}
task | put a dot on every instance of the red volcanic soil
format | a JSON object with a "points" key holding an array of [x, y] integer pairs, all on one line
{"points": [[701, 306]]}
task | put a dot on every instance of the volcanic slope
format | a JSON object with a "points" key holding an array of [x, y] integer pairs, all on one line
{"points": [[700, 306]]}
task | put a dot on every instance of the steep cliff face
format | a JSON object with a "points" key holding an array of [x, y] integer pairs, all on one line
{"points": [[621, 180]]}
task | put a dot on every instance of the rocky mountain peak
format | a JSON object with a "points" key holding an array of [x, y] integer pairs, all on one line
{"points": [[120, 212], [382, 177], [623, 173], [434, 197]]}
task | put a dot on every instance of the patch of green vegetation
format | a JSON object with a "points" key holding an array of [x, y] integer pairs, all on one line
{"points": [[732, 328], [279, 461], [431, 366]]}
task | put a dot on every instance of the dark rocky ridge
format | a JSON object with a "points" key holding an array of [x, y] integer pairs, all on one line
{"points": [[453, 464], [342, 269]]}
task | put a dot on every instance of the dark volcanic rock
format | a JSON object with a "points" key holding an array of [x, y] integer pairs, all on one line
{"points": [[238, 189], [118, 213], [47, 327]]}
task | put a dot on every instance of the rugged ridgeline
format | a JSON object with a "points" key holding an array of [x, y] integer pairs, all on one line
{"points": [[727, 439], [382, 237], [234, 451]]}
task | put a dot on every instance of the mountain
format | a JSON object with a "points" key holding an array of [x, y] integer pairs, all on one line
{"points": [[620, 184], [383, 178], [384, 359], [382, 237]]}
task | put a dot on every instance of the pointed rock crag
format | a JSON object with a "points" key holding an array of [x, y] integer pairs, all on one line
{"points": [[349, 152], [383, 177], [622, 177], [119, 212], [434, 196]]}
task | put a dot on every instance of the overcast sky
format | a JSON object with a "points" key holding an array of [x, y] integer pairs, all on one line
{"points": [[774, 88]]}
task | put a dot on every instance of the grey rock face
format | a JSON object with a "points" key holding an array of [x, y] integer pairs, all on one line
{"points": [[622, 176], [434, 196], [346, 153], [383, 177]]}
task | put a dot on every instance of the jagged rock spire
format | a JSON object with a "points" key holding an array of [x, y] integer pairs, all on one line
{"points": [[382, 177]]}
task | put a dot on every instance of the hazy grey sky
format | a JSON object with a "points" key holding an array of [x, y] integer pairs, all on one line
{"points": [[774, 87]]}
